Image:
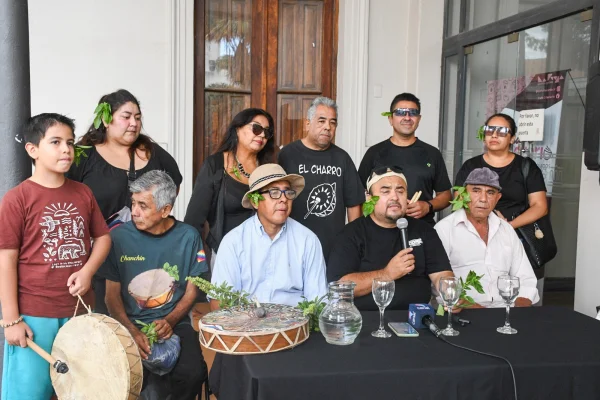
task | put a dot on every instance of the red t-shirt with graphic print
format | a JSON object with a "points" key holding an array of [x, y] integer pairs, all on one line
{"points": [[51, 228]]}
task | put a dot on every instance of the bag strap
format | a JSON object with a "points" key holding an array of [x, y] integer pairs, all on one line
{"points": [[525, 165]]}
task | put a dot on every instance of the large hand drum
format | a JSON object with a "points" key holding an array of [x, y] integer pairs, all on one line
{"points": [[238, 331], [103, 359]]}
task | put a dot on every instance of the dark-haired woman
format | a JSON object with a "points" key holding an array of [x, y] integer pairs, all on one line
{"points": [[223, 178], [500, 131], [119, 153]]}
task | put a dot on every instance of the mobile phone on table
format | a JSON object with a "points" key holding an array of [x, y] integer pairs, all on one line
{"points": [[403, 329]]}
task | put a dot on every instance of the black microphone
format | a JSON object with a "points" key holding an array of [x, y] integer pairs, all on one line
{"points": [[428, 322], [402, 224]]}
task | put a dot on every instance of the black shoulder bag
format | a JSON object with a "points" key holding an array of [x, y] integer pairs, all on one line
{"points": [[538, 238]]}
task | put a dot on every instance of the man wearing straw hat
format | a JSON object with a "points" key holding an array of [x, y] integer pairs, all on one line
{"points": [[372, 247], [270, 255], [477, 239]]}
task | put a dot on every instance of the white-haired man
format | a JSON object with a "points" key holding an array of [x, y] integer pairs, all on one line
{"points": [[333, 186], [146, 271], [477, 239]]}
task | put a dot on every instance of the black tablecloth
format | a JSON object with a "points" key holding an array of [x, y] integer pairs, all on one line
{"points": [[556, 355]]}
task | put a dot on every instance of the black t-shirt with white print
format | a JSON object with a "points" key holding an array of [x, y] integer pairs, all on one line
{"points": [[332, 184], [421, 163], [364, 246]]}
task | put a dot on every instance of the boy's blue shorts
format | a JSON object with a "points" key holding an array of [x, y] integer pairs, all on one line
{"points": [[25, 375]]}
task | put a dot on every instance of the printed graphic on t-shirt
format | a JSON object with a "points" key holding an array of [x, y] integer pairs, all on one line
{"points": [[154, 288], [63, 230], [321, 200]]}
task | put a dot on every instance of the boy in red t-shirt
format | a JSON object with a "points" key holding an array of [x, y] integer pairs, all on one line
{"points": [[46, 258]]}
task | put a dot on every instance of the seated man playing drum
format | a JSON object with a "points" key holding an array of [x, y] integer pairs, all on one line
{"points": [[271, 256], [146, 271]]}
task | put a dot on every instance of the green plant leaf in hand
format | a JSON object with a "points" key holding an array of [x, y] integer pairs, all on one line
{"points": [[172, 270], [150, 331], [369, 206], [255, 197], [462, 199], [473, 281]]}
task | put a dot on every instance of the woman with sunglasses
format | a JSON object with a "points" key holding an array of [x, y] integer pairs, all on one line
{"points": [[500, 130], [223, 178]]}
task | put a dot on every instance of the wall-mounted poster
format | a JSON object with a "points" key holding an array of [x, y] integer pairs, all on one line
{"points": [[535, 102]]}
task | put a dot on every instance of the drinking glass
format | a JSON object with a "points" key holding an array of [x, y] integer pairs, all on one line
{"points": [[383, 292], [508, 286], [450, 289]]}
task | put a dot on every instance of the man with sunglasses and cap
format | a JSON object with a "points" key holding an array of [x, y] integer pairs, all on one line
{"points": [[372, 247], [477, 239], [422, 163], [270, 255], [333, 187]]}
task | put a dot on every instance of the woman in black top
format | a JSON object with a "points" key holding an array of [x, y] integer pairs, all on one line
{"points": [[223, 178], [119, 153], [500, 131], [115, 147]]}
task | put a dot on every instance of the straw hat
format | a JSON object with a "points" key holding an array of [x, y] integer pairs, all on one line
{"points": [[267, 174]]}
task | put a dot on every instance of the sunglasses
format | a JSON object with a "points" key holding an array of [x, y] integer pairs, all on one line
{"points": [[403, 112], [383, 170], [275, 193], [257, 129], [501, 131]]}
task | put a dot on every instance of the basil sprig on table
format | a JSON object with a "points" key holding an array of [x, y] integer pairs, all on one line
{"points": [[224, 294], [312, 309]]}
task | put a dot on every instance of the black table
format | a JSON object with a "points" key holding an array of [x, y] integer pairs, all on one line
{"points": [[555, 355]]}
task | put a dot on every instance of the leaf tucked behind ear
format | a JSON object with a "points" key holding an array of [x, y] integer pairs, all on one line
{"points": [[103, 113], [462, 199], [386, 114], [369, 206], [255, 198]]}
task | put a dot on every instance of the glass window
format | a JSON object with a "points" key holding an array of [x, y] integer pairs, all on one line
{"points": [[453, 18], [481, 13]]}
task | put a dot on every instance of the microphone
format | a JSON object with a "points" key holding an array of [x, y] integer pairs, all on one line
{"points": [[402, 224], [428, 322], [417, 313]]}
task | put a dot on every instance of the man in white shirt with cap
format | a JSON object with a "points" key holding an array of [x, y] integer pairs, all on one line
{"points": [[477, 239]]}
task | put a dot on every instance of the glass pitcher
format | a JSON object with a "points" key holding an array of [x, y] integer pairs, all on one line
{"points": [[340, 321]]}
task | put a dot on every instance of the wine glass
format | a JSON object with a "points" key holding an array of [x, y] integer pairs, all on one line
{"points": [[508, 286], [383, 292], [450, 290]]}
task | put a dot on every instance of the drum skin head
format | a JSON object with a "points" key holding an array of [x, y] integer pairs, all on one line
{"points": [[103, 359]]}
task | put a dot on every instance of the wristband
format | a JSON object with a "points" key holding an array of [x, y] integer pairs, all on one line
{"points": [[8, 325], [430, 207]]}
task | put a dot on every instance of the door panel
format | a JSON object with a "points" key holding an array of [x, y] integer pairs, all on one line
{"points": [[272, 54]]}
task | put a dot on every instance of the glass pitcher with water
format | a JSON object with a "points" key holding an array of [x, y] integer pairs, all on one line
{"points": [[340, 321]]}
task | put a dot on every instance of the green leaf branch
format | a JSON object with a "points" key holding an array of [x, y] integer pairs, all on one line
{"points": [[312, 309], [224, 294], [150, 331], [462, 199], [255, 197], [172, 270], [235, 171], [80, 152], [103, 113], [369, 206], [473, 281], [481, 133]]}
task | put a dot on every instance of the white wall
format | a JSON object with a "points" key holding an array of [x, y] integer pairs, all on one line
{"points": [[587, 273], [405, 47]]}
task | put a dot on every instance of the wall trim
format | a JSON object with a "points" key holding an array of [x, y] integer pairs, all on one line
{"points": [[352, 77], [181, 95]]}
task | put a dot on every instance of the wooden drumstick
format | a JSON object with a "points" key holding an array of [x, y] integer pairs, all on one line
{"points": [[415, 197], [59, 366]]}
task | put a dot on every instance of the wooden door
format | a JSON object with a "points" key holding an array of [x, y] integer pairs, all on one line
{"points": [[273, 54]]}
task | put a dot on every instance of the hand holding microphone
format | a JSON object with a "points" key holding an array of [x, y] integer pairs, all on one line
{"points": [[401, 264]]}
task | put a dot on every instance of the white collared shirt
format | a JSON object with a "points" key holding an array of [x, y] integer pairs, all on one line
{"points": [[503, 254]]}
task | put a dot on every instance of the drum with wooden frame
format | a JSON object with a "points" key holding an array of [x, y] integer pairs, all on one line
{"points": [[103, 359], [238, 330]]}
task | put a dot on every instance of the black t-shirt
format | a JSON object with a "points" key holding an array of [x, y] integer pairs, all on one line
{"points": [[235, 213], [512, 181], [364, 246], [421, 163], [110, 184], [332, 184]]}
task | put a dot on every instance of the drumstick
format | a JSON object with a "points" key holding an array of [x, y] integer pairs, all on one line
{"points": [[416, 197], [58, 365]]}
